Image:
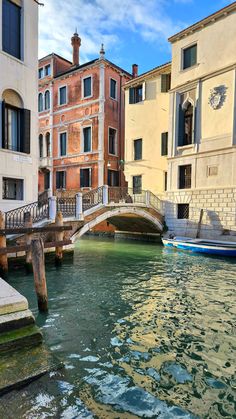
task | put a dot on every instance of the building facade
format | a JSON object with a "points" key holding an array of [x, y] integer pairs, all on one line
{"points": [[81, 122], [146, 129], [18, 103], [202, 127]]}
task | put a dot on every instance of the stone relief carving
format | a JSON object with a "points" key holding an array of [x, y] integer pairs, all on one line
{"points": [[217, 96]]}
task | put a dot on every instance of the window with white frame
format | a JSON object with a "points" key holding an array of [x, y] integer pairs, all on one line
{"points": [[87, 87], [40, 146], [13, 189], [189, 56], [87, 139], [40, 102], [47, 70], [47, 100], [41, 73], [137, 94], [16, 126], [112, 146], [62, 95], [113, 89], [86, 178], [62, 144]]}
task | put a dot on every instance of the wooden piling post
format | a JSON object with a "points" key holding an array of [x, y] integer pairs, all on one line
{"points": [[199, 224], [28, 261], [59, 237], [38, 261], [3, 242]]}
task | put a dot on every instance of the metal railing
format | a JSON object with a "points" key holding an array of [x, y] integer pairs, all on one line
{"points": [[67, 206], [92, 198], [16, 217], [126, 195], [42, 197]]}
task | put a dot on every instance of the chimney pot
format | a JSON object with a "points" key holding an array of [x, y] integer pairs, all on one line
{"points": [[135, 70], [75, 42]]}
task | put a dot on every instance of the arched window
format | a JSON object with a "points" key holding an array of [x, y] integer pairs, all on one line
{"points": [[188, 125], [40, 102], [40, 145], [15, 123], [47, 100], [48, 144]]}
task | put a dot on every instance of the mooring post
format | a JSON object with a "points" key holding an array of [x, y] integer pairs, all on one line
{"points": [[38, 261], [59, 237], [28, 260], [3, 245]]}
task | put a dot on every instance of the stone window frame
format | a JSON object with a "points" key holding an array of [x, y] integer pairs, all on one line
{"points": [[116, 141], [82, 89], [182, 69], [116, 90], [82, 139], [58, 99], [58, 151]]}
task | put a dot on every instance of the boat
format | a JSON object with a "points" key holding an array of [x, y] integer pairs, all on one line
{"points": [[210, 247]]}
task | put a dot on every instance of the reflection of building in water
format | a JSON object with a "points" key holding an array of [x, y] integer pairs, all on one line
{"points": [[202, 128]]}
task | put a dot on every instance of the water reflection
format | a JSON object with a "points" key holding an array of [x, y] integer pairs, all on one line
{"points": [[143, 332]]}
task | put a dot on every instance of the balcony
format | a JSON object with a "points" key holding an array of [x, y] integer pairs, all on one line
{"points": [[45, 162]]}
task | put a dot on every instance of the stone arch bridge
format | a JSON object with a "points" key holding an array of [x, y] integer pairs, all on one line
{"points": [[127, 211]]}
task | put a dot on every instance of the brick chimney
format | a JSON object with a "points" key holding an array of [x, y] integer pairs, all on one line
{"points": [[75, 42], [135, 70]]}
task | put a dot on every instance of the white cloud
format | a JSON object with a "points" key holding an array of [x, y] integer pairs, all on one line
{"points": [[99, 21]]}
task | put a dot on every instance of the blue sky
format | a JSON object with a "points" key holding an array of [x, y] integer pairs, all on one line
{"points": [[133, 31]]}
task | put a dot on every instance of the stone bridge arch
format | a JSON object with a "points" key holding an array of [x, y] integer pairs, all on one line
{"points": [[112, 214]]}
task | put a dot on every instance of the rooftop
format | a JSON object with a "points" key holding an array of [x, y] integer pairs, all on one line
{"points": [[154, 71]]}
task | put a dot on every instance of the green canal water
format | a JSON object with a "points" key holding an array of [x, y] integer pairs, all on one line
{"points": [[142, 331]]}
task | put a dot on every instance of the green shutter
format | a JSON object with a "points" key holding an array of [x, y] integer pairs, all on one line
{"points": [[164, 143], [131, 95], [25, 116], [181, 126], [165, 83], [3, 134]]}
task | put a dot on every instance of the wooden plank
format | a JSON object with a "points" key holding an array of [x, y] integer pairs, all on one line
{"points": [[27, 230], [25, 247]]}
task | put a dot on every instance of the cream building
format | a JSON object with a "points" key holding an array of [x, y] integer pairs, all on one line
{"points": [[18, 102], [202, 128], [146, 129]]}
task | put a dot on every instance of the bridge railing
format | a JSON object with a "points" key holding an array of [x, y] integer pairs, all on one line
{"points": [[126, 195], [16, 218], [92, 198], [155, 202], [67, 206]]}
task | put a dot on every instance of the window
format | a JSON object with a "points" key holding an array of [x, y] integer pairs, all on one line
{"points": [[47, 100], [85, 178], [48, 144], [164, 143], [165, 181], [185, 125], [62, 95], [47, 70], [189, 56], [183, 211], [138, 145], [112, 141], [11, 28], [185, 173], [113, 84], [137, 184], [40, 146], [40, 102], [87, 146], [113, 178], [41, 73], [61, 180], [136, 94], [165, 82], [62, 144], [16, 128], [13, 189], [87, 87], [46, 180]]}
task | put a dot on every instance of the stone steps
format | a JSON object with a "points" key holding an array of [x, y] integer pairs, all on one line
{"points": [[14, 321], [24, 337]]}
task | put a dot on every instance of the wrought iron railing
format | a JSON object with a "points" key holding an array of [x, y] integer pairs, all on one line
{"points": [[42, 197], [155, 202], [15, 218], [126, 195], [67, 206], [92, 198]]}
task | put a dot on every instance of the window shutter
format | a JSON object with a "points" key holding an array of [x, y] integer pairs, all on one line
{"points": [[2, 124], [164, 143], [25, 130], [57, 180], [144, 91], [195, 122], [165, 83], [181, 126], [81, 178], [131, 95]]}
